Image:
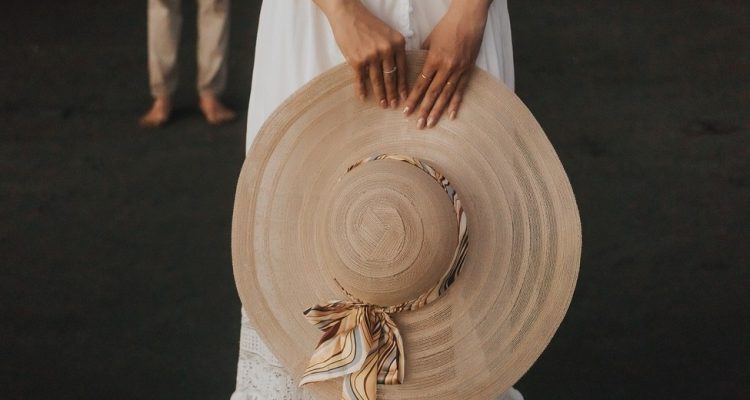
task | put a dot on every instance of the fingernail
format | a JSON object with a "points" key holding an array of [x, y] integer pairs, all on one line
{"points": [[420, 123], [394, 103], [406, 110], [383, 103], [453, 114], [430, 122], [403, 96], [361, 97]]}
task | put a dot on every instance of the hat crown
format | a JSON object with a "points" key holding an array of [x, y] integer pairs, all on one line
{"points": [[380, 234], [389, 231]]}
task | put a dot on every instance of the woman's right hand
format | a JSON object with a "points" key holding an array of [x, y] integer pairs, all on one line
{"points": [[373, 49]]}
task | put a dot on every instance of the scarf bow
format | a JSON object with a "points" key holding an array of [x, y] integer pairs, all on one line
{"points": [[361, 343]]}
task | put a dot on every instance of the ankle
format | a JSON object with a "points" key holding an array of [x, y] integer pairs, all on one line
{"points": [[162, 101]]}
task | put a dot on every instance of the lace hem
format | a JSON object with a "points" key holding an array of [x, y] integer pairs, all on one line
{"points": [[260, 375]]}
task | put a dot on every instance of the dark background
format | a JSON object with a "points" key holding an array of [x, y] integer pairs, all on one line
{"points": [[115, 270]]}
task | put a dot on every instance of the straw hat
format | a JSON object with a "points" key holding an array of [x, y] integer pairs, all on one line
{"points": [[443, 259]]}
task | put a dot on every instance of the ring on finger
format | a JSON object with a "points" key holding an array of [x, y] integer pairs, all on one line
{"points": [[425, 77], [391, 71]]}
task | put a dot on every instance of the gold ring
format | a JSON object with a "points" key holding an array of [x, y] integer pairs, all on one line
{"points": [[391, 71], [429, 79]]}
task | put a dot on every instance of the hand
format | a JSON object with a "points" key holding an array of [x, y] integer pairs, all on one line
{"points": [[453, 46], [374, 50]]}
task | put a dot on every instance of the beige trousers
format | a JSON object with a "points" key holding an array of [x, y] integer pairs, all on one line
{"points": [[164, 24]]}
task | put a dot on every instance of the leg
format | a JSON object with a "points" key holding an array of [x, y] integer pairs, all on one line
{"points": [[164, 23], [213, 36]]}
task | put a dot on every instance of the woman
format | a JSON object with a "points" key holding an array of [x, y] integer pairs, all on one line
{"points": [[297, 40]]}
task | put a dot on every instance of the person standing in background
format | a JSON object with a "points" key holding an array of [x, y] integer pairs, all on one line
{"points": [[164, 25]]}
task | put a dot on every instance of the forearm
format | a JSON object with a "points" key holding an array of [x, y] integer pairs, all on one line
{"points": [[472, 4], [332, 8], [474, 10], [472, 14]]}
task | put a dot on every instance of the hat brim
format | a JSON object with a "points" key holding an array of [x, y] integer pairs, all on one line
{"points": [[525, 237]]}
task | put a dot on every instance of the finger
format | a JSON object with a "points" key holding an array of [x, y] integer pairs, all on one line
{"points": [[390, 80], [376, 81], [431, 96], [426, 42], [458, 96], [403, 88], [444, 99], [420, 86], [360, 88]]}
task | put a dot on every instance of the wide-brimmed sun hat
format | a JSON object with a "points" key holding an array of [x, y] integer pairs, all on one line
{"points": [[385, 261]]}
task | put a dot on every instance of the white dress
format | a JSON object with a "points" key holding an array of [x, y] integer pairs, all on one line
{"points": [[295, 44]]}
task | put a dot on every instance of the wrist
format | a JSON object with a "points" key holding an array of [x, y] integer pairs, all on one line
{"points": [[335, 9], [473, 7], [471, 13]]}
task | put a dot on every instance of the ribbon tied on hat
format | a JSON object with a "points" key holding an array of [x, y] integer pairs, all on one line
{"points": [[361, 342]]}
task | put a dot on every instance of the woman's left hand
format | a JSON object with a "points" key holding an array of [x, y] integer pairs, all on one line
{"points": [[453, 46]]}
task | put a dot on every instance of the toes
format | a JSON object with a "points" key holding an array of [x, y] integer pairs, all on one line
{"points": [[153, 120], [220, 116]]}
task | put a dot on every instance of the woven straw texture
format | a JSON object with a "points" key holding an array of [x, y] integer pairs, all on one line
{"points": [[386, 233]]}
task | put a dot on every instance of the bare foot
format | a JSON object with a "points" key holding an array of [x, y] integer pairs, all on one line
{"points": [[215, 112], [159, 113]]}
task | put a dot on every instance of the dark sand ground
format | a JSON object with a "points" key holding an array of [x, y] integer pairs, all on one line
{"points": [[115, 269]]}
